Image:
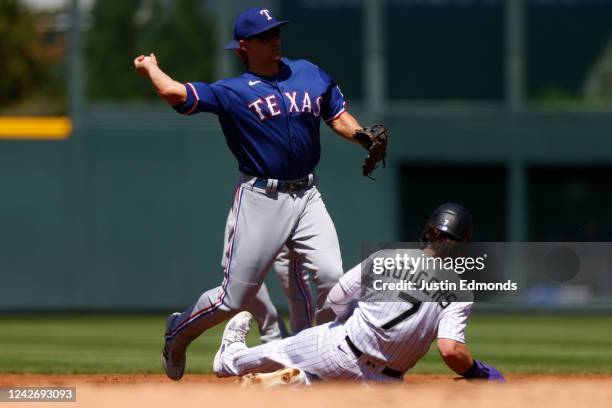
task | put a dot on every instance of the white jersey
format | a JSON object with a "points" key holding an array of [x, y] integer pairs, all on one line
{"points": [[394, 332], [390, 337]]}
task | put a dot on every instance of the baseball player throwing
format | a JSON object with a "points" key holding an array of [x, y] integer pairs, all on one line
{"points": [[270, 116], [380, 340]]}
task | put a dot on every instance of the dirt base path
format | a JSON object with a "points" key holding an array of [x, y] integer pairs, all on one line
{"points": [[207, 391]]}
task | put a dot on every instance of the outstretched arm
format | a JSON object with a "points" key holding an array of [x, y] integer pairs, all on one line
{"points": [[456, 355], [345, 125], [458, 358], [374, 139], [168, 89]]}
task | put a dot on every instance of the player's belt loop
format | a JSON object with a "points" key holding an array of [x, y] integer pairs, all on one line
{"points": [[310, 179], [272, 186]]}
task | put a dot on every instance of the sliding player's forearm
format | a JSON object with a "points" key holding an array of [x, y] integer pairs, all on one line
{"points": [[456, 355], [458, 358]]}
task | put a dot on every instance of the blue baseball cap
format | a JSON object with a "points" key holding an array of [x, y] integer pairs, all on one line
{"points": [[252, 22]]}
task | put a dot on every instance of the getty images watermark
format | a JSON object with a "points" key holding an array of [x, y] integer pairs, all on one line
{"points": [[410, 272], [531, 272]]}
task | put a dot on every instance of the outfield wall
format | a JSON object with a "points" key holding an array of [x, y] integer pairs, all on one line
{"points": [[128, 213]]}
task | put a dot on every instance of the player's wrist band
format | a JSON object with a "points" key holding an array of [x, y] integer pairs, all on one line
{"points": [[476, 370]]}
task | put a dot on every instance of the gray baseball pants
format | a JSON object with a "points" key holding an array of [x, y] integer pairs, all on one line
{"points": [[261, 222]]}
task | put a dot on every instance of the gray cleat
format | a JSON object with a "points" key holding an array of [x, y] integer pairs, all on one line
{"points": [[174, 369]]}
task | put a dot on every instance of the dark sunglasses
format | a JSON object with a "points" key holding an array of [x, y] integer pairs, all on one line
{"points": [[267, 36]]}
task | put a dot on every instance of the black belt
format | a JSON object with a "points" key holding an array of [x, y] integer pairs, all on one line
{"points": [[285, 186], [358, 353]]}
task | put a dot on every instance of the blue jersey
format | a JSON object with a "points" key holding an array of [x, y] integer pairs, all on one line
{"points": [[271, 124]]}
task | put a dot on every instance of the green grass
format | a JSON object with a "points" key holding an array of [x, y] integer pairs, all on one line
{"points": [[537, 344], [132, 344]]}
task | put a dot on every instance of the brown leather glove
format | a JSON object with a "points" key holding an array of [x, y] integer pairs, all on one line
{"points": [[375, 140]]}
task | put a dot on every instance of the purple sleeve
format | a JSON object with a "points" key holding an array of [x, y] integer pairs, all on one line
{"points": [[200, 98], [333, 104]]}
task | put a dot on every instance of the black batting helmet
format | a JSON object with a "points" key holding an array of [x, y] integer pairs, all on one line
{"points": [[450, 219]]}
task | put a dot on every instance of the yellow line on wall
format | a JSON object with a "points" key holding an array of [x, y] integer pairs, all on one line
{"points": [[35, 127]]}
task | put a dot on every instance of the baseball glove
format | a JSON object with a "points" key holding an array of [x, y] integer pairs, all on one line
{"points": [[375, 139]]}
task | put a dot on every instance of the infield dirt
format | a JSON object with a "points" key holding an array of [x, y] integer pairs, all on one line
{"points": [[417, 391]]}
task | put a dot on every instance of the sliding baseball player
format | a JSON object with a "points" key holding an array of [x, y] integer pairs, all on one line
{"points": [[380, 340]]}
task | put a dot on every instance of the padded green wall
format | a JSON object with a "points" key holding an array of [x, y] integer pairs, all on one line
{"points": [[128, 214]]}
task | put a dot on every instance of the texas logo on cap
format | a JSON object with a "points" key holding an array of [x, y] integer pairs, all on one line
{"points": [[252, 22]]}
